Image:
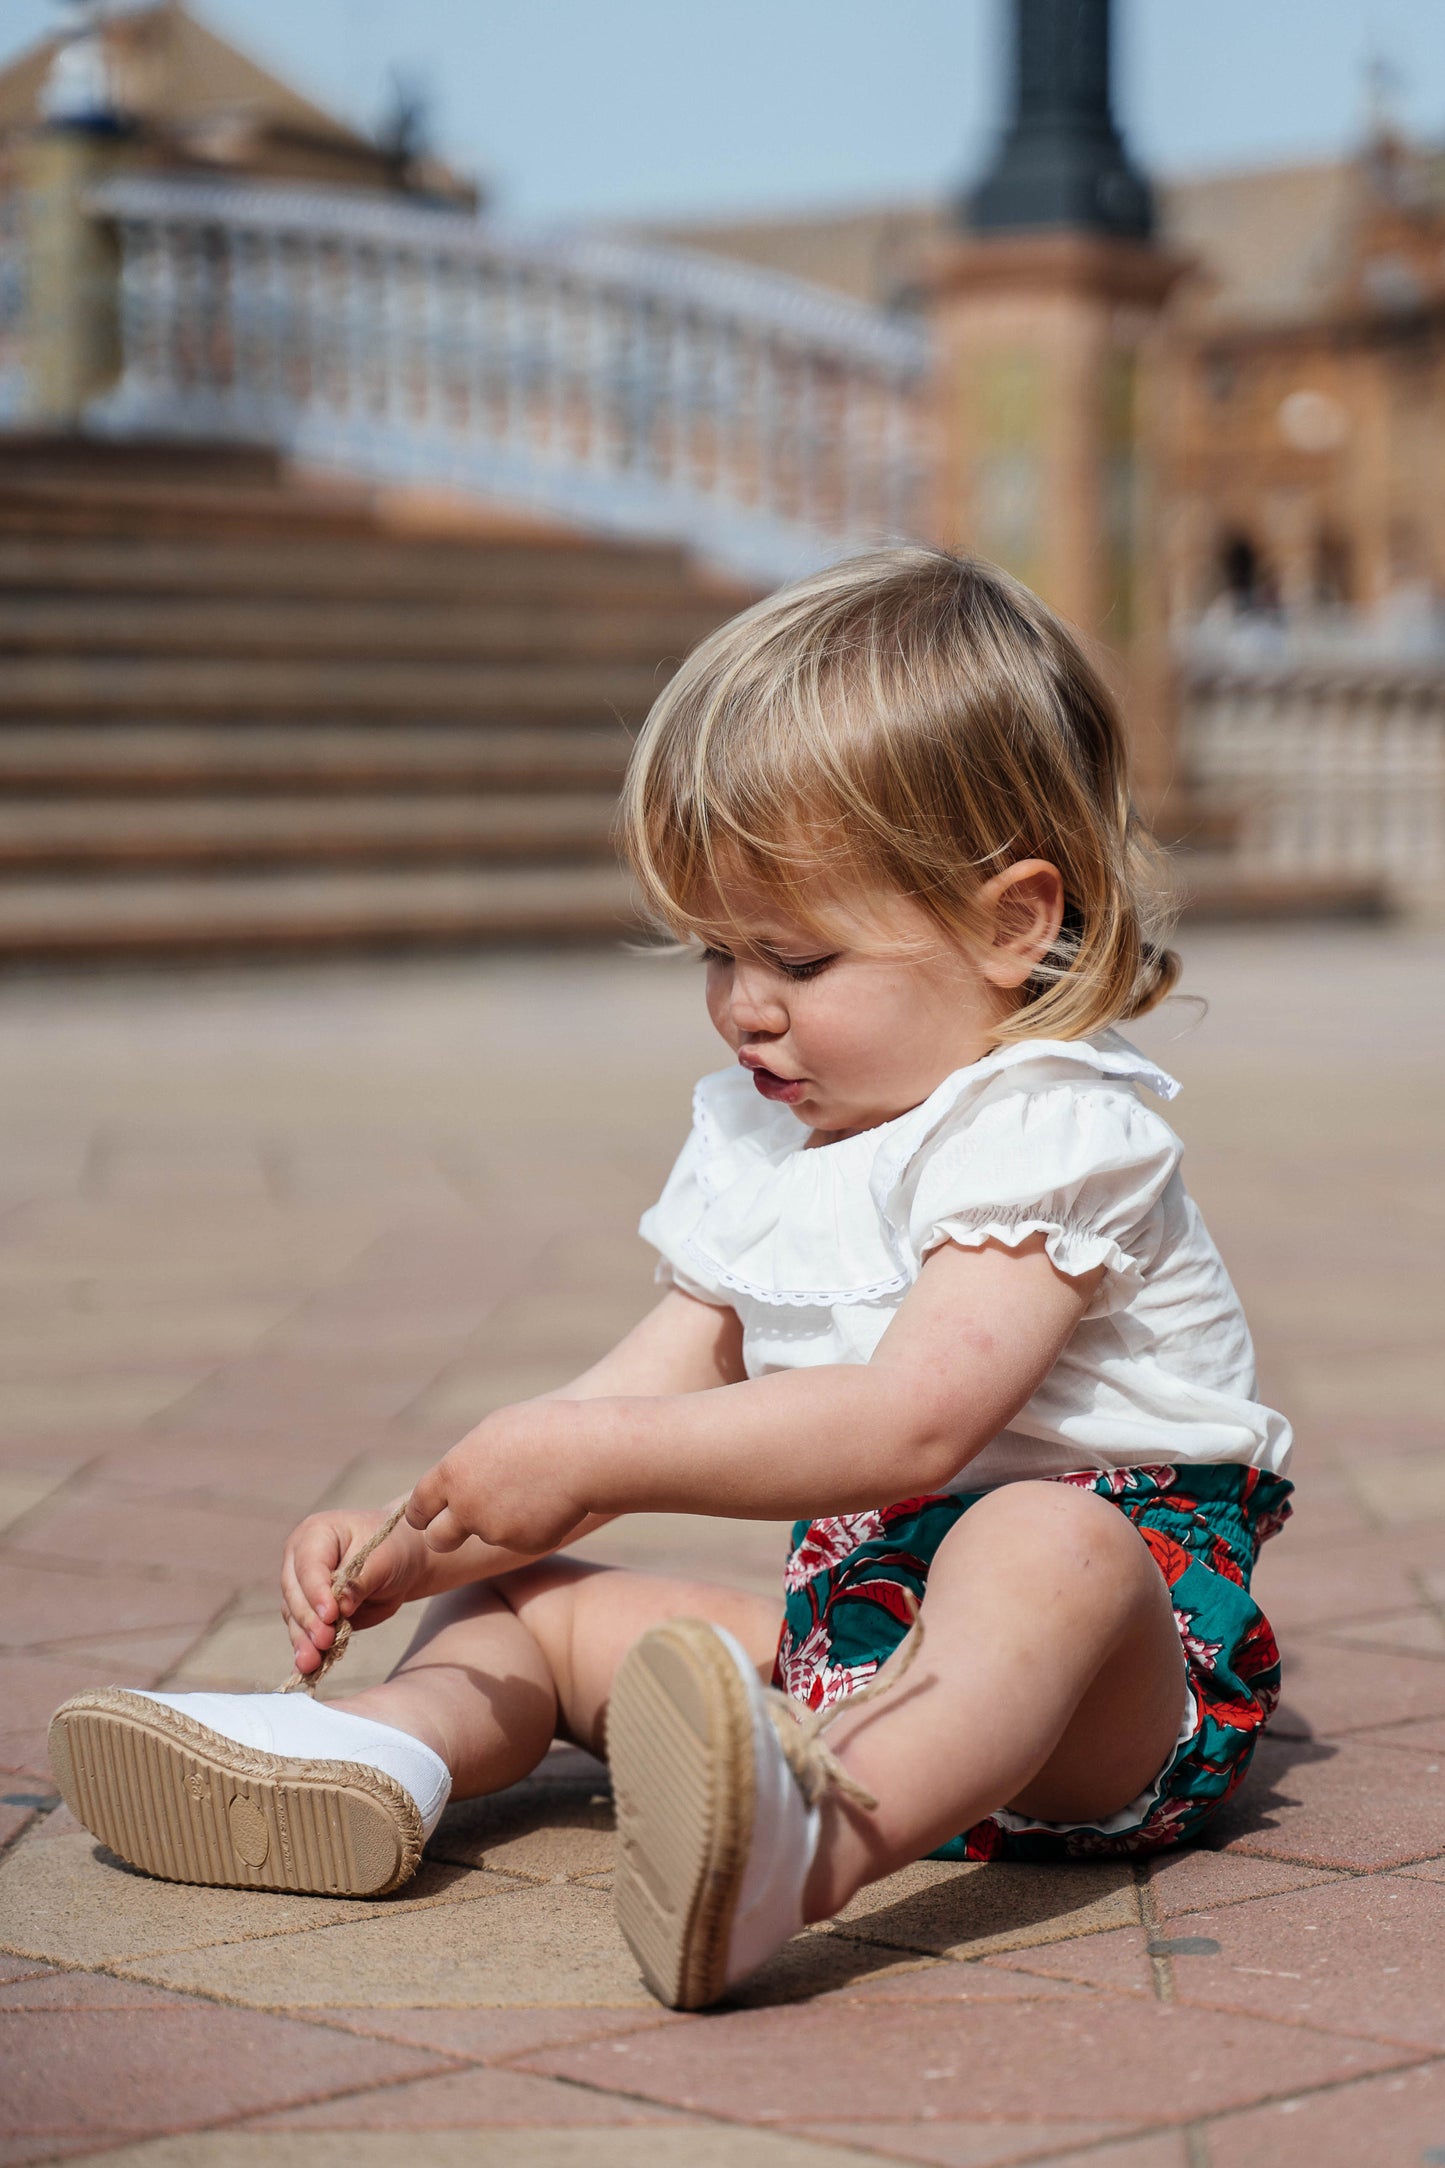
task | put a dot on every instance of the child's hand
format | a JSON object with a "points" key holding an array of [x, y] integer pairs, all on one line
{"points": [[315, 1549], [516, 1480]]}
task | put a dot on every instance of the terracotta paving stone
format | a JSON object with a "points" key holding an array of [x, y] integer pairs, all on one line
{"points": [[157, 1533], [22, 1968], [67, 1898], [1347, 1804], [948, 1980], [1331, 1690], [708, 2145], [22, 1492], [1397, 2121], [470, 2100], [31, 1689], [124, 1657], [964, 1910], [1117, 1961], [487, 2036], [171, 2063], [1364, 1956], [956, 2144], [1414, 1633], [1425, 1736], [844, 2061], [52, 1990], [1425, 1870], [1299, 1588], [1164, 2149], [48, 1603], [287, 1475], [1187, 1880], [991, 2145], [14, 1814], [529, 1945]]}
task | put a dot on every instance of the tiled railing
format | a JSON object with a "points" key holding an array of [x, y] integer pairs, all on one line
{"points": [[1335, 770], [640, 390]]}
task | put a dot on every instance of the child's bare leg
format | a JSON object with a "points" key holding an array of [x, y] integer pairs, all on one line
{"points": [[498, 1670], [1051, 1680]]}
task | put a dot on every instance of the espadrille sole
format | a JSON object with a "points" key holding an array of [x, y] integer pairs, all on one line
{"points": [[680, 1746], [178, 1800]]}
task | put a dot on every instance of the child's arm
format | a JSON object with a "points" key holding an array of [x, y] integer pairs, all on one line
{"points": [[971, 1343], [680, 1347]]}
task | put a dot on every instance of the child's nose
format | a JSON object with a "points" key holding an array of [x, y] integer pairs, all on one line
{"points": [[756, 1006]]}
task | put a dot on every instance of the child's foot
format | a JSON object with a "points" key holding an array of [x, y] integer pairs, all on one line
{"points": [[716, 1838], [248, 1791]]}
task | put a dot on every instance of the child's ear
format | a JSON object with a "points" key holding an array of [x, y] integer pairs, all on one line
{"points": [[1024, 908]]}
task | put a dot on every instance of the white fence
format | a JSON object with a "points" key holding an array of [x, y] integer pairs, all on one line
{"points": [[1335, 771], [765, 422]]}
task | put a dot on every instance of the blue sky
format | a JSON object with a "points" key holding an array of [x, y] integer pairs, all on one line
{"points": [[655, 108]]}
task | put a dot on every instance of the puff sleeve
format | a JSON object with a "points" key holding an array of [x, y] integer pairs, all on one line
{"points": [[1085, 1166]]}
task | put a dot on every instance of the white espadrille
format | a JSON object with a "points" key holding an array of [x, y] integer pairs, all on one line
{"points": [[248, 1791], [715, 1834]]}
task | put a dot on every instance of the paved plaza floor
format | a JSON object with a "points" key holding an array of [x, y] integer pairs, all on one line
{"points": [[269, 1240]]}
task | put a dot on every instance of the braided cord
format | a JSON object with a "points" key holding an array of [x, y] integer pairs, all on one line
{"points": [[807, 1753]]}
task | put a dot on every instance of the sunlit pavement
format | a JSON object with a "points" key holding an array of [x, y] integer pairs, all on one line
{"points": [[273, 1239]]}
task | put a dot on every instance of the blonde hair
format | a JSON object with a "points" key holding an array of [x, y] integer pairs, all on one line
{"points": [[910, 722]]}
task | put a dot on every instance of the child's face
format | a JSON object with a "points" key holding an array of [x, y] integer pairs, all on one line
{"points": [[849, 1037]]}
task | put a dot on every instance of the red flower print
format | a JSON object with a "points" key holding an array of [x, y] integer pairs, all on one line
{"points": [[1202, 1655], [828, 1543], [807, 1676]]}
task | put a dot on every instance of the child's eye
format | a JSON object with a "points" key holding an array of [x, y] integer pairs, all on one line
{"points": [[808, 970], [715, 956]]}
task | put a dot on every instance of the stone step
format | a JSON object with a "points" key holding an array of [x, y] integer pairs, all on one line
{"points": [[398, 627], [232, 914], [1214, 886], [463, 829], [138, 759], [375, 562], [50, 687]]}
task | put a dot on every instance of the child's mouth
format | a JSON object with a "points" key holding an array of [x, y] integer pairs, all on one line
{"points": [[777, 1087]]}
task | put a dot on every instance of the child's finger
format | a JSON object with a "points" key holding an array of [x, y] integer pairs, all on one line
{"points": [[428, 1497], [303, 1609], [446, 1532]]}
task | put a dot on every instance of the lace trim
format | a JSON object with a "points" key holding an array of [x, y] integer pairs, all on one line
{"points": [[796, 1298]]}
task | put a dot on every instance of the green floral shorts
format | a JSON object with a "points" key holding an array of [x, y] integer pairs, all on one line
{"points": [[849, 1580]]}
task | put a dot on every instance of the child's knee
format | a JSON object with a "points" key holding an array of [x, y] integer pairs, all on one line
{"points": [[1040, 1528]]}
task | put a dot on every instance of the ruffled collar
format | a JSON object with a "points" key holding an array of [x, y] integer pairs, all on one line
{"points": [[767, 1200]]}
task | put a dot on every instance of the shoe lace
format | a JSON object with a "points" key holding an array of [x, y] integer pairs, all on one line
{"points": [[814, 1763]]}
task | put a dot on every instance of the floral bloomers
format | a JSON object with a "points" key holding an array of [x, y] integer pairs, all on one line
{"points": [[850, 1578]]}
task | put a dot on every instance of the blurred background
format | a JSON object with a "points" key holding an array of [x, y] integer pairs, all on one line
{"points": [[383, 408]]}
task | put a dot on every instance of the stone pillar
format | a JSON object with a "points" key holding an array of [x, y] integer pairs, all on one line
{"points": [[1047, 350], [1047, 325], [71, 299]]}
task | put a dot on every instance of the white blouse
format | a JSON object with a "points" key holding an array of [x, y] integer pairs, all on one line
{"points": [[816, 1249]]}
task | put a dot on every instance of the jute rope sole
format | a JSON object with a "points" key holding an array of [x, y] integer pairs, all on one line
{"points": [[178, 1800], [680, 1745]]}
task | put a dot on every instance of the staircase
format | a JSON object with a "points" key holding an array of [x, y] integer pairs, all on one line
{"points": [[240, 712]]}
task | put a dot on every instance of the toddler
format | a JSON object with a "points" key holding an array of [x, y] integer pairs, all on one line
{"points": [[932, 1288]]}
